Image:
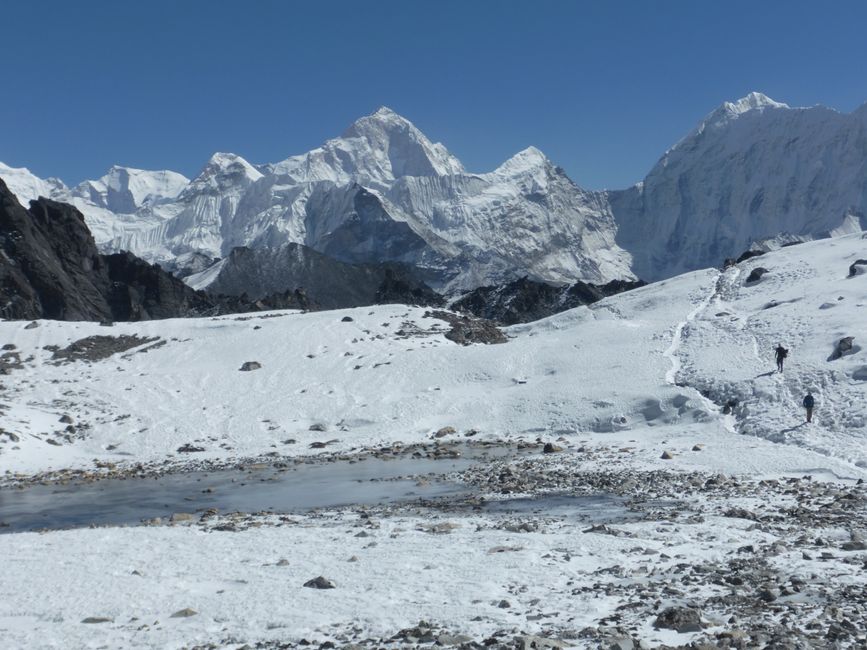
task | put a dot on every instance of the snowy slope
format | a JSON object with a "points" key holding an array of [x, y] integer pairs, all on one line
{"points": [[630, 365], [616, 383]]}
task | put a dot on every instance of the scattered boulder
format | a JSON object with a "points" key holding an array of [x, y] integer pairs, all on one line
{"points": [[551, 448], [66, 419], [189, 448], [250, 365], [465, 330], [179, 517], [184, 613], [857, 267], [452, 639], [854, 545], [679, 619], [317, 427], [666, 456], [756, 275], [97, 619], [98, 347], [843, 346], [320, 582], [347, 319], [32, 325], [445, 431]]}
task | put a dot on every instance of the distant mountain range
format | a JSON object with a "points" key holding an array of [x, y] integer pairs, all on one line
{"points": [[753, 173]]}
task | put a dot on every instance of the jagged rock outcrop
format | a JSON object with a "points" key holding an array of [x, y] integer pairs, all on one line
{"points": [[50, 268], [525, 300], [328, 282]]}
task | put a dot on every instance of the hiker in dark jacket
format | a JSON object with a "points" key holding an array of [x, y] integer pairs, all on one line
{"points": [[781, 354], [809, 402]]}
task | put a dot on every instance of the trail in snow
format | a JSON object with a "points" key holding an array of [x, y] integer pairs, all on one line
{"points": [[723, 279], [671, 352]]}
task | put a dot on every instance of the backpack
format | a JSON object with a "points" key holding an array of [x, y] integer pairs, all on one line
{"points": [[783, 353], [808, 401]]}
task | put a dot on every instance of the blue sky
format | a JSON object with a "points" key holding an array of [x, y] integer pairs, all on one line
{"points": [[603, 88]]}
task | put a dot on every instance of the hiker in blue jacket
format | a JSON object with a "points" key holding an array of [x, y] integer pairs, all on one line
{"points": [[809, 402]]}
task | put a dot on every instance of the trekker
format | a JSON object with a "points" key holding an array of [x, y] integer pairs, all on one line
{"points": [[809, 402], [782, 353]]}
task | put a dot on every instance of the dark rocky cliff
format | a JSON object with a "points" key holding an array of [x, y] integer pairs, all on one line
{"points": [[50, 268], [525, 300]]}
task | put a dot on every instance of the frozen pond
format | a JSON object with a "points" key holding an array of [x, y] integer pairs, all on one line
{"points": [[300, 487]]}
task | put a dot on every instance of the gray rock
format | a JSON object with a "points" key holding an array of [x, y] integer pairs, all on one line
{"points": [[181, 516], [756, 275], [31, 325], [320, 582], [250, 365], [551, 448], [445, 431], [666, 456], [452, 639], [856, 267], [679, 619], [346, 319], [769, 595], [532, 642], [620, 643], [184, 613], [317, 427], [844, 346], [97, 619], [66, 419]]}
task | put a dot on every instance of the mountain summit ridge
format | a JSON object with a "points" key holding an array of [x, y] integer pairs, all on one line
{"points": [[752, 170]]}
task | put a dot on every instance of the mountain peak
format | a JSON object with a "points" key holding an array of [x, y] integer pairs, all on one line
{"points": [[526, 160], [754, 100], [385, 111], [221, 163]]}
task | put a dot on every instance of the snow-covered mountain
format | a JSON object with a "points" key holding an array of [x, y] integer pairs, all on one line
{"points": [[752, 171], [126, 190], [381, 192]]}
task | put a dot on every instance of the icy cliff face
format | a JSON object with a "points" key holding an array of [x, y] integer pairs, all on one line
{"points": [[125, 190], [752, 170]]}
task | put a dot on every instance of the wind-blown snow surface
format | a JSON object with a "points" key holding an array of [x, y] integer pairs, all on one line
{"points": [[620, 374]]}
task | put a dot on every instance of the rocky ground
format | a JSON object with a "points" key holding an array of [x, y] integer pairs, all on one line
{"points": [[707, 560]]}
